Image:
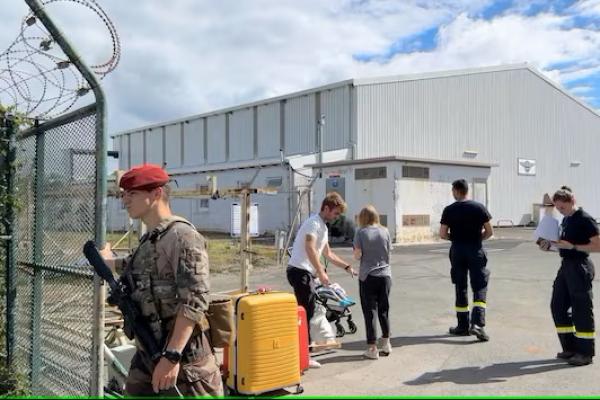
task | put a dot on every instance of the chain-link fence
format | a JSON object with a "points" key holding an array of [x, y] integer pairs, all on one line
{"points": [[57, 321], [55, 203], [6, 130]]}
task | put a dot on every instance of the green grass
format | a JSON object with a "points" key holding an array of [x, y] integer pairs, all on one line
{"points": [[223, 251], [11, 384]]}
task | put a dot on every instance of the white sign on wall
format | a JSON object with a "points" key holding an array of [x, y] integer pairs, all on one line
{"points": [[526, 166], [236, 222]]}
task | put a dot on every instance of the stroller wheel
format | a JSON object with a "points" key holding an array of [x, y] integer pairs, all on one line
{"points": [[352, 326], [340, 331]]}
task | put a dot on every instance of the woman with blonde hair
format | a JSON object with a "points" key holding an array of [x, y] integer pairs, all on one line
{"points": [[372, 246]]}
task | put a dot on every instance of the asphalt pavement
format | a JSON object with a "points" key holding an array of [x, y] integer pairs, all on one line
{"points": [[519, 359]]}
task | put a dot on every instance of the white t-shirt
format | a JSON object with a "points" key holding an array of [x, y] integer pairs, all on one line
{"points": [[314, 226]]}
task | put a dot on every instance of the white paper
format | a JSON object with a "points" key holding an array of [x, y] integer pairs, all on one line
{"points": [[548, 229]]}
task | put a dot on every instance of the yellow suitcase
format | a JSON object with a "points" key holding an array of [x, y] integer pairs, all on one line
{"points": [[264, 354]]}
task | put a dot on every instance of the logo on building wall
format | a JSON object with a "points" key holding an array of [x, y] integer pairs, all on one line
{"points": [[526, 166]]}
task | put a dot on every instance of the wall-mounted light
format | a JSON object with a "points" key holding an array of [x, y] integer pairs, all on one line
{"points": [[575, 163], [470, 153]]}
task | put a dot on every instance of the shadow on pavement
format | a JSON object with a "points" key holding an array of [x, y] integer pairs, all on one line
{"points": [[489, 374], [340, 359], [414, 340]]}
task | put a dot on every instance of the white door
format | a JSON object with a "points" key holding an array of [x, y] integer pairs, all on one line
{"points": [[480, 191]]}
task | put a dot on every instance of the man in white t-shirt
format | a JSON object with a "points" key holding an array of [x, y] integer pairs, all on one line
{"points": [[305, 263]]}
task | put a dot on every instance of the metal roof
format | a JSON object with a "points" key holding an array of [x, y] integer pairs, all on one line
{"points": [[403, 159]]}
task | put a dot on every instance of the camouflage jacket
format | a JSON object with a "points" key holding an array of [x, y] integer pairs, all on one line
{"points": [[168, 274]]}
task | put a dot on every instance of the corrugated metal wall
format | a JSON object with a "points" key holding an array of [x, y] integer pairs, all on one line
{"points": [[241, 135], [300, 125], [154, 146], [193, 143], [269, 130], [136, 148], [172, 142], [216, 139], [122, 146], [335, 105], [503, 116], [251, 132]]}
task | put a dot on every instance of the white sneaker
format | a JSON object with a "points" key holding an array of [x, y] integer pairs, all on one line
{"points": [[371, 353], [386, 346], [313, 363]]}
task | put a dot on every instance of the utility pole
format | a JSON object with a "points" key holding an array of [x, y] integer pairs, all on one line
{"points": [[245, 240], [320, 125]]}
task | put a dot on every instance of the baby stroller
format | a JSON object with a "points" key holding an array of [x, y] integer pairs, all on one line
{"points": [[337, 305]]}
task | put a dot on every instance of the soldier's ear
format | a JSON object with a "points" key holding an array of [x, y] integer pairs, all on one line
{"points": [[156, 193]]}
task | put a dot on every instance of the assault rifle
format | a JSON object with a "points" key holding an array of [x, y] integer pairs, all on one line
{"points": [[120, 296]]}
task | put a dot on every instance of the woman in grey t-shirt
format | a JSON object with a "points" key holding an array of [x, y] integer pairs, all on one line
{"points": [[372, 246]]}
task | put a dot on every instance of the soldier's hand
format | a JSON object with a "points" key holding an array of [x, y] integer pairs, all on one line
{"points": [[164, 375], [107, 252]]}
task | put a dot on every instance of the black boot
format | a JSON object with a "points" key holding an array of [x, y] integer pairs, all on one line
{"points": [[462, 328], [479, 332], [579, 360], [459, 331], [565, 355]]}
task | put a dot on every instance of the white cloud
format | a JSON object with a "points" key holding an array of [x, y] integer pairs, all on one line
{"points": [[579, 90], [194, 56], [541, 40], [575, 74], [588, 7]]}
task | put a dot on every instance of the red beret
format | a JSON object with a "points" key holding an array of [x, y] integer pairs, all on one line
{"points": [[144, 177]]}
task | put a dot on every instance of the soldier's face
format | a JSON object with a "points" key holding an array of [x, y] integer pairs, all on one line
{"points": [[137, 202]]}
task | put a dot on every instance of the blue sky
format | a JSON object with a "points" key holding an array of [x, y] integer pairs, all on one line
{"points": [[582, 16], [199, 55]]}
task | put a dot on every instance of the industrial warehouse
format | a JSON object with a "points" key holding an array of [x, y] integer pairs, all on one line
{"points": [[395, 142]]}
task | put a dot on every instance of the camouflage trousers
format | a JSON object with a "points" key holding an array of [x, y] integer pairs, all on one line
{"points": [[199, 374]]}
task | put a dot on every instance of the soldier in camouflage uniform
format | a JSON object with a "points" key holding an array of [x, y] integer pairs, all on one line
{"points": [[168, 275]]}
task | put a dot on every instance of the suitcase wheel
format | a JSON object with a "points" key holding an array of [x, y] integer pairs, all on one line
{"points": [[299, 389]]}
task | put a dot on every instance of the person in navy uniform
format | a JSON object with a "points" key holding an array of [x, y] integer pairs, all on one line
{"points": [[466, 223], [572, 287]]}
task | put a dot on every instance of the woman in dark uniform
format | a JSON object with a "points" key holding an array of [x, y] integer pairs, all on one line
{"points": [[573, 284]]}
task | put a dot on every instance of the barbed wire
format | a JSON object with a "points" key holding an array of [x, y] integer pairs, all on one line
{"points": [[36, 77]]}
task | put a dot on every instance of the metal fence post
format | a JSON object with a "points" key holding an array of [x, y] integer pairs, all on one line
{"points": [[97, 378], [11, 272], [38, 258]]}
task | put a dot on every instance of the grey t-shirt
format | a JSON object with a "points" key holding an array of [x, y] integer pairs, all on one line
{"points": [[375, 244]]}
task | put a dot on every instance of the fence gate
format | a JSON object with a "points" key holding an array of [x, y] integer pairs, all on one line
{"points": [[58, 309], [55, 304]]}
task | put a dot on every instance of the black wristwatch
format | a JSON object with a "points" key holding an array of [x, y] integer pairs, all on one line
{"points": [[347, 267], [172, 355]]}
